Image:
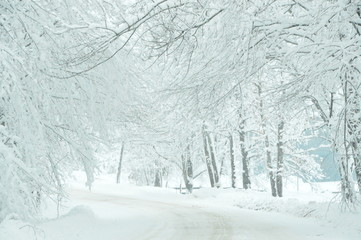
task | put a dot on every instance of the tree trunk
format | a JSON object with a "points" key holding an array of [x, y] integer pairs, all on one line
{"points": [[158, 178], [353, 125], [208, 160], [267, 145], [146, 177], [213, 160], [189, 184], [120, 163], [343, 162], [346, 187], [270, 168], [245, 168], [187, 170], [357, 162], [233, 166], [280, 154]]}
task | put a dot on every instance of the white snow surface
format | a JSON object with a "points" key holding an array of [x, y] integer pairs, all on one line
{"points": [[125, 212]]}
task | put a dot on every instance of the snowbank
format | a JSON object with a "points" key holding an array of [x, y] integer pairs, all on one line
{"points": [[105, 218]]}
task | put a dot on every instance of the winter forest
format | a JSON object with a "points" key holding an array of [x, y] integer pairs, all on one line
{"points": [[220, 97]]}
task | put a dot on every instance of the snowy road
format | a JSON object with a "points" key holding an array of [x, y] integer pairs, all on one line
{"points": [[126, 218], [170, 221]]}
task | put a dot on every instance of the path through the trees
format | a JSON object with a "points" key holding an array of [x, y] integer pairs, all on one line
{"points": [[124, 217]]}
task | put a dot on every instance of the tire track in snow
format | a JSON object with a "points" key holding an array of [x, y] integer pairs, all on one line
{"points": [[171, 220]]}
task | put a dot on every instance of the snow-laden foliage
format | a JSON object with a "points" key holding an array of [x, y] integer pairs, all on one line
{"points": [[274, 72], [50, 123], [223, 89], [44, 121]]}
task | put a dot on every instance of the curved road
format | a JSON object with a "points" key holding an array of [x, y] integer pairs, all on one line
{"points": [[169, 220], [113, 217], [158, 220]]}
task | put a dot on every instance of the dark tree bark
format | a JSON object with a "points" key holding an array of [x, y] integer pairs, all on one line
{"points": [[267, 145], [357, 162], [346, 188], [187, 168], [352, 101], [208, 159], [233, 166], [158, 178], [272, 176], [245, 168], [120, 163], [343, 162], [146, 177], [213, 160], [280, 154]]}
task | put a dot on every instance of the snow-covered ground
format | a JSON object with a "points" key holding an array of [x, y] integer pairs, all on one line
{"points": [[123, 212]]}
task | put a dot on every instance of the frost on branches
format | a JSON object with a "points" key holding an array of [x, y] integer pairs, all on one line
{"points": [[199, 89]]}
